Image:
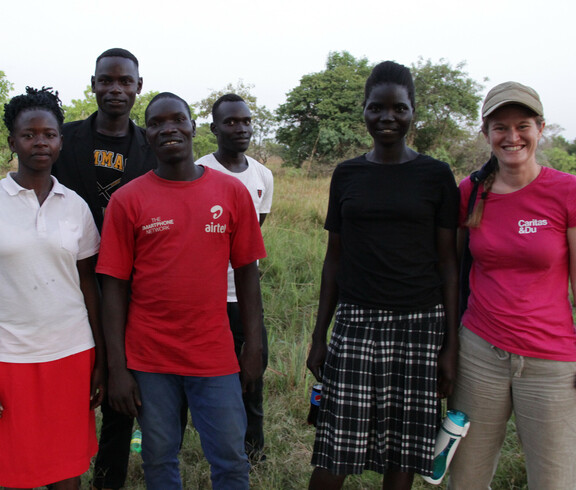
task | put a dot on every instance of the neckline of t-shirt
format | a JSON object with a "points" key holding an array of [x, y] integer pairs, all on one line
{"points": [[229, 172], [540, 175], [181, 183], [112, 139], [393, 165]]}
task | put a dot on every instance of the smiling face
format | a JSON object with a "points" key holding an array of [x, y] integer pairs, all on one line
{"points": [[513, 133], [36, 139], [116, 84], [232, 126], [388, 113], [169, 130]]}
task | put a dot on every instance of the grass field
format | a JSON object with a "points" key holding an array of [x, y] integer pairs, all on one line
{"points": [[295, 243]]}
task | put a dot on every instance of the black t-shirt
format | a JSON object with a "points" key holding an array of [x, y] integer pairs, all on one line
{"points": [[387, 217], [110, 160]]}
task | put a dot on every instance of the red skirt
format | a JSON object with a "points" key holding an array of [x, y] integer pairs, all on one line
{"points": [[47, 430]]}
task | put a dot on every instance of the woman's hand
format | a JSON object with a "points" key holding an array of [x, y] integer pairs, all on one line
{"points": [[328, 299], [447, 363], [316, 358]]}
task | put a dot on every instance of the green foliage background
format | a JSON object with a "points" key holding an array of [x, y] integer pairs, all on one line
{"points": [[322, 117], [321, 121], [5, 88]]}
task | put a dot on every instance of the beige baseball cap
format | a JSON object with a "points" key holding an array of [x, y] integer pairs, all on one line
{"points": [[512, 93]]}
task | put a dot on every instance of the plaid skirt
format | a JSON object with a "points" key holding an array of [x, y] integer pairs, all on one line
{"points": [[380, 408]]}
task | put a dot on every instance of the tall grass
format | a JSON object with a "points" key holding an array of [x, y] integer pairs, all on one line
{"points": [[295, 243]]}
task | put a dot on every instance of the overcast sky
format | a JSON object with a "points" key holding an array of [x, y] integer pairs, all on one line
{"points": [[192, 49]]}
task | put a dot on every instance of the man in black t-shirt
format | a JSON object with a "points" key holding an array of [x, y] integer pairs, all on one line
{"points": [[99, 155], [106, 150]]}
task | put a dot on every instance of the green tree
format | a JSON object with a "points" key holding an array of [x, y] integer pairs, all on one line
{"points": [[5, 153], [560, 159], [81, 108], [447, 103], [322, 117], [465, 156], [139, 108], [555, 150], [263, 120], [204, 141], [552, 138]]}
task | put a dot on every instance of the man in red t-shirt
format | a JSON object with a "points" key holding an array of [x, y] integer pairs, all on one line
{"points": [[171, 345]]}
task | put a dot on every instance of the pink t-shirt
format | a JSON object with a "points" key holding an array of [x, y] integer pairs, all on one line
{"points": [[519, 279], [175, 240]]}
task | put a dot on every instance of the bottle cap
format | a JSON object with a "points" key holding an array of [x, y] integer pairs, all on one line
{"points": [[456, 423], [458, 417]]}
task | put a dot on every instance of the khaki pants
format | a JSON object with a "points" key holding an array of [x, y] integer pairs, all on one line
{"points": [[492, 384]]}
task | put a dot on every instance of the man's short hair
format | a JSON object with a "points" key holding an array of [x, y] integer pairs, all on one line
{"points": [[167, 95], [118, 52], [226, 98]]}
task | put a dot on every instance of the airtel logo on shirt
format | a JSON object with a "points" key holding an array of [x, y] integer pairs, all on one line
{"points": [[215, 227]]}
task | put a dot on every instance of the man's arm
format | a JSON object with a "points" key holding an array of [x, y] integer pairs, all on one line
{"points": [[123, 392], [89, 288], [247, 279]]}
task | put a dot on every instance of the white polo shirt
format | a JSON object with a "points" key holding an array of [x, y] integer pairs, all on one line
{"points": [[43, 316]]}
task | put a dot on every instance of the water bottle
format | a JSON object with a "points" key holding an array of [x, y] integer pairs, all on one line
{"points": [[136, 442], [315, 398], [454, 427]]}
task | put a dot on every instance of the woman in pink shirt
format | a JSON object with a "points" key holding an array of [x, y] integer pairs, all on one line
{"points": [[517, 340]]}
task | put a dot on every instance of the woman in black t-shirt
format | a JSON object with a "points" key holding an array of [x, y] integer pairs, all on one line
{"points": [[390, 273]]}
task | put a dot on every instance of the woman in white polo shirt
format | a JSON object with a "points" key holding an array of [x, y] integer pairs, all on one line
{"points": [[51, 360]]}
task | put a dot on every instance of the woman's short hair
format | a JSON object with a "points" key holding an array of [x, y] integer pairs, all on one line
{"points": [[43, 98], [390, 72]]}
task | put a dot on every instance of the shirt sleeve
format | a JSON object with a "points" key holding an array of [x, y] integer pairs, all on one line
{"points": [[116, 256], [268, 178], [246, 244], [89, 242], [571, 203], [334, 216], [447, 216]]}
